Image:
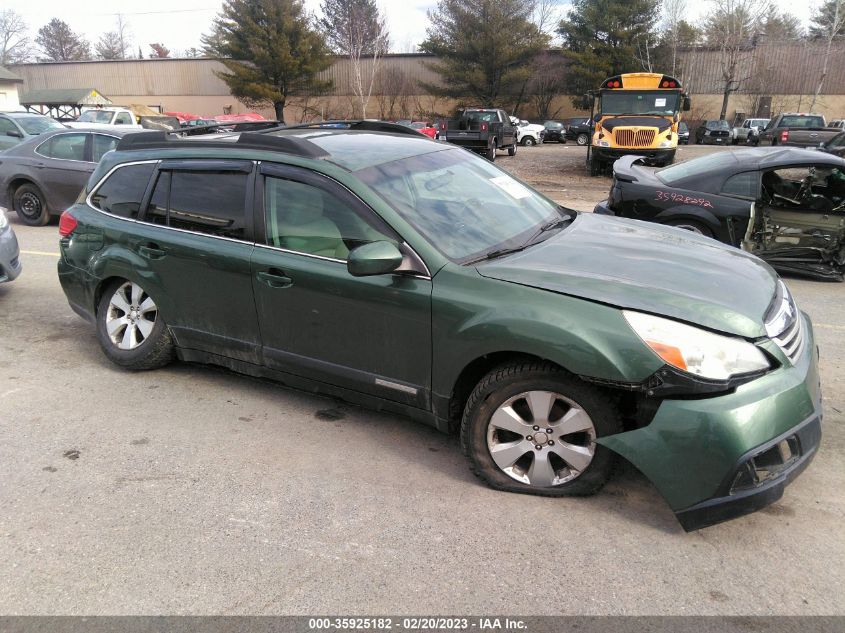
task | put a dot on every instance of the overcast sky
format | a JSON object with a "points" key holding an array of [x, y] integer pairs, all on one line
{"points": [[178, 25]]}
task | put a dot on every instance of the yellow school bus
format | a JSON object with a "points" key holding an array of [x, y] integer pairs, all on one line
{"points": [[636, 113]]}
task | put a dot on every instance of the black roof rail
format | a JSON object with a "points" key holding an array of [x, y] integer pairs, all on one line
{"points": [[256, 140], [364, 125]]}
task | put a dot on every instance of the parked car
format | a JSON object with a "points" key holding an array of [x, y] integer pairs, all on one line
{"points": [[579, 130], [787, 206], [482, 130], [528, 133], [555, 132], [683, 133], [418, 278], [43, 176], [803, 130], [713, 132], [748, 131], [16, 127], [10, 263], [835, 146], [424, 127], [106, 117]]}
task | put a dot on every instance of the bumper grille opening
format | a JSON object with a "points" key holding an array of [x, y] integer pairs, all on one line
{"points": [[766, 465]]}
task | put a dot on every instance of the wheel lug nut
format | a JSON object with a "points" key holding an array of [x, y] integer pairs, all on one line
{"points": [[530, 438], [551, 442], [536, 428], [538, 447], [549, 431]]}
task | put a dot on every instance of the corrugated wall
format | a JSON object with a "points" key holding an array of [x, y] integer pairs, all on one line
{"points": [[767, 68]]}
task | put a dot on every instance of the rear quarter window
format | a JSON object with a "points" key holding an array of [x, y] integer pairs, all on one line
{"points": [[123, 190], [743, 185]]}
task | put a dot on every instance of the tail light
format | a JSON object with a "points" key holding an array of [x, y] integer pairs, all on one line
{"points": [[443, 125], [483, 127], [67, 224], [784, 136]]}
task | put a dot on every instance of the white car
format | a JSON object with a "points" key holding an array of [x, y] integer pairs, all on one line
{"points": [[106, 118], [528, 133]]}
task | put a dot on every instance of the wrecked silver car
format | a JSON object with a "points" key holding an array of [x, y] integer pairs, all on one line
{"points": [[785, 205]]}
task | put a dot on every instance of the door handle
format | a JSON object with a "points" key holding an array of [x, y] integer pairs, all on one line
{"points": [[151, 251], [39, 165], [275, 278]]}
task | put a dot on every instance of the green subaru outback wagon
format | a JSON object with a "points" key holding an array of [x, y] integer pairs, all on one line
{"points": [[412, 276]]}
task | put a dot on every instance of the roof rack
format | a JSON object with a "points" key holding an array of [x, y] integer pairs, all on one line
{"points": [[256, 140], [363, 125]]}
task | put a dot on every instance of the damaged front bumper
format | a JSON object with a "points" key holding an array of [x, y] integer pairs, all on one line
{"points": [[721, 457]]}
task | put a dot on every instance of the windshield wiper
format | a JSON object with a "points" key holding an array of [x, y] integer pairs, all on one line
{"points": [[548, 226]]}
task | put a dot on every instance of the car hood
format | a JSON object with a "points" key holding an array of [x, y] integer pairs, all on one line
{"points": [[641, 266]]}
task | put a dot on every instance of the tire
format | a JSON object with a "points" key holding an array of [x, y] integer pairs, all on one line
{"points": [[505, 407], [491, 151], [30, 205], [137, 349], [582, 139], [529, 141], [512, 149], [693, 226]]}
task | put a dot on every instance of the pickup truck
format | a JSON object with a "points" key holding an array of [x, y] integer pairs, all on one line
{"points": [[791, 128], [482, 130], [748, 132], [125, 119]]}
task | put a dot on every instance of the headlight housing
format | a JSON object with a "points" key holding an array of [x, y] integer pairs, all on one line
{"points": [[666, 144], [694, 350], [603, 144], [4, 221]]}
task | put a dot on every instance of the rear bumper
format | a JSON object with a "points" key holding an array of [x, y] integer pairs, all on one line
{"points": [[10, 263], [610, 154]]}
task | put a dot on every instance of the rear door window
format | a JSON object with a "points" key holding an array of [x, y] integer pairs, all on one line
{"points": [[123, 118], [102, 144], [64, 147], [743, 185], [206, 201], [122, 192]]}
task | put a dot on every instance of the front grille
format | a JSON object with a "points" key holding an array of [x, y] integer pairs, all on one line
{"points": [[784, 324], [719, 133], [634, 138]]}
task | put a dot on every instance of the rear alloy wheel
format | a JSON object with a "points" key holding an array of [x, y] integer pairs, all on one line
{"points": [[531, 428], [529, 141], [491, 151], [131, 331], [30, 205], [582, 139], [692, 226]]}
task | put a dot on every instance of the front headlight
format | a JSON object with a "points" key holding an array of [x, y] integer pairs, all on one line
{"points": [[4, 221], [696, 351], [666, 144], [603, 144]]}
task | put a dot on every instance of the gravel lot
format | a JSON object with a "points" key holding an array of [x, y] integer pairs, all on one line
{"points": [[194, 491]]}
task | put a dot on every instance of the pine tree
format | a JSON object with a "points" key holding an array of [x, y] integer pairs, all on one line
{"points": [[485, 48], [271, 52]]}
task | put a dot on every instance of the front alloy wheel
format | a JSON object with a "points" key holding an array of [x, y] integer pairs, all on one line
{"points": [[541, 438], [582, 139], [530, 427]]}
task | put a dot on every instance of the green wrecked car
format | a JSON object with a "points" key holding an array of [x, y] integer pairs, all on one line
{"points": [[412, 276]]}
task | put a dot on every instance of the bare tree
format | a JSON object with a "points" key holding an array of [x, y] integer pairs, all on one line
{"points": [[115, 44], [834, 27], [731, 30], [546, 15], [547, 82], [15, 46], [124, 36], [358, 30], [674, 12], [159, 51]]}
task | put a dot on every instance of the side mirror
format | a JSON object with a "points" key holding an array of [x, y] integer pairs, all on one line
{"points": [[14, 133], [375, 258], [687, 104]]}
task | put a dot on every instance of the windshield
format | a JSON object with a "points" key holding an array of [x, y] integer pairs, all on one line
{"points": [[38, 124], [717, 125], [95, 116], [464, 206], [639, 102], [696, 166]]}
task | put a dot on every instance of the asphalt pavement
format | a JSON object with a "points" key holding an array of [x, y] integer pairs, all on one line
{"points": [[191, 490]]}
